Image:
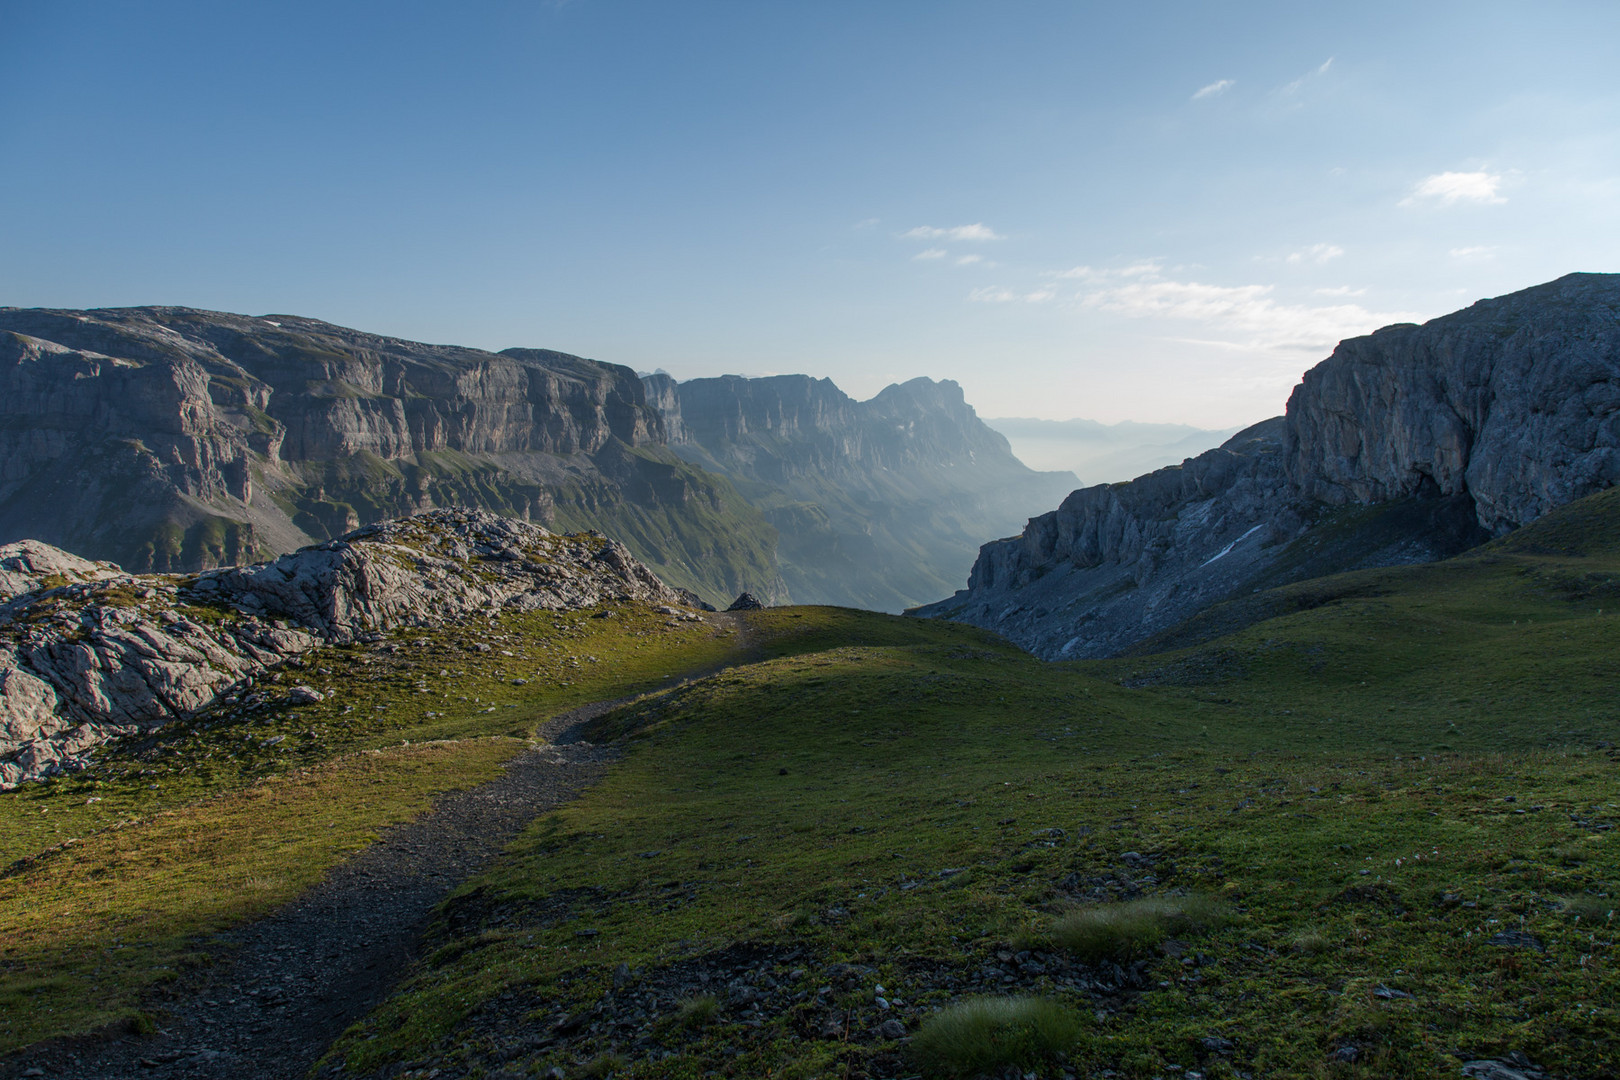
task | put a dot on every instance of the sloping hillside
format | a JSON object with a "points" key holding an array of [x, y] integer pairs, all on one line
{"points": [[1366, 832]]}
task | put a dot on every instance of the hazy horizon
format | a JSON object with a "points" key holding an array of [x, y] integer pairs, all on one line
{"points": [[1165, 212], [1100, 453]]}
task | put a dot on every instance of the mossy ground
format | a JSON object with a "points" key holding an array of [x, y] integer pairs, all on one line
{"points": [[1374, 786]]}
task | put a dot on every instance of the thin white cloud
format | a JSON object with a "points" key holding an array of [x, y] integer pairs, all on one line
{"points": [[1092, 273], [996, 294], [977, 231], [1340, 290], [1478, 253], [1219, 86], [1449, 188], [1317, 73], [931, 253], [1246, 312], [968, 260], [1316, 253]]}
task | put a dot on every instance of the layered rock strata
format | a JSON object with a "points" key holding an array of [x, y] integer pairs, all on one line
{"points": [[169, 439], [114, 654], [1447, 433]]}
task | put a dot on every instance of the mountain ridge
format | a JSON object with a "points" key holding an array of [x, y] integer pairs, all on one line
{"points": [[877, 502], [1465, 427], [172, 438]]}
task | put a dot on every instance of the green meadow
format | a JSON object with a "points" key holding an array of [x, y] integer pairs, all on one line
{"points": [[1367, 830]]}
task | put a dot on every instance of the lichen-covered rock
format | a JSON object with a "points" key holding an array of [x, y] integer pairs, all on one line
{"points": [[87, 661]]}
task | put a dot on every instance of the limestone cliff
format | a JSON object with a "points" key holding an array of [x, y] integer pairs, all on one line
{"points": [[1513, 403], [169, 438], [1406, 445], [88, 653], [878, 503]]}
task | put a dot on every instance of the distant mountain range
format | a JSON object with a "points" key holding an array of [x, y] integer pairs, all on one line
{"points": [[875, 501], [171, 439]]}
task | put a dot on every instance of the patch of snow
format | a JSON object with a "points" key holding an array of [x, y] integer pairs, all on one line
{"points": [[1227, 550]]}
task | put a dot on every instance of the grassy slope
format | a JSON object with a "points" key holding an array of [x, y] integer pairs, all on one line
{"points": [[205, 825], [1377, 785]]}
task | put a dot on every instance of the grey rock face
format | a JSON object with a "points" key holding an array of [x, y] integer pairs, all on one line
{"points": [[1505, 410], [1116, 563], [170, 439], [82, 663], [1514, 402], [28, 565]]}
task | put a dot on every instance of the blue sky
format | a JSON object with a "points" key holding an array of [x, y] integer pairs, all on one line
{"points": [[1153, 211]]}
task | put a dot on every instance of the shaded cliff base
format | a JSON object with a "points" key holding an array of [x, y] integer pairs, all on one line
{"points": [[1106, 611]]}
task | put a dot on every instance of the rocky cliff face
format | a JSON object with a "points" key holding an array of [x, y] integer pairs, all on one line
{"points": [[1513, 403], [88, 653], [169, 439], [1467, 426], [878, 503]]}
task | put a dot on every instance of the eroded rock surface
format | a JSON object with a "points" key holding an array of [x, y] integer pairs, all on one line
{"points": [[1513, 402], [28, 565], [115, 654]]}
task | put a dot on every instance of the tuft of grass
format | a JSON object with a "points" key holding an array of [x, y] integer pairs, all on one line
{"points": [[603, 1066], [1592, 909], [1131, 927], [982, 1034], [696, 1012]]}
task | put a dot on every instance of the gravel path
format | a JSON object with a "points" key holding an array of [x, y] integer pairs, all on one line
{"points": [[301, 976]]}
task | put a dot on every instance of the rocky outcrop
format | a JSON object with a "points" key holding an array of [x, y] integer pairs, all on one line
{"points": [[169, 439], [113, 654], [1118, 562], [1467, 426], [28, 565], [1513, 403], [877, 503]]}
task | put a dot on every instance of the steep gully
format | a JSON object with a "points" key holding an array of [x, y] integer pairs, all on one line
{"points": [[300, 976]]}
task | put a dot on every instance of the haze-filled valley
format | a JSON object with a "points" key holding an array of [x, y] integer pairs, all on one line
{"points": [[171, 439], [1105, 453]]}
